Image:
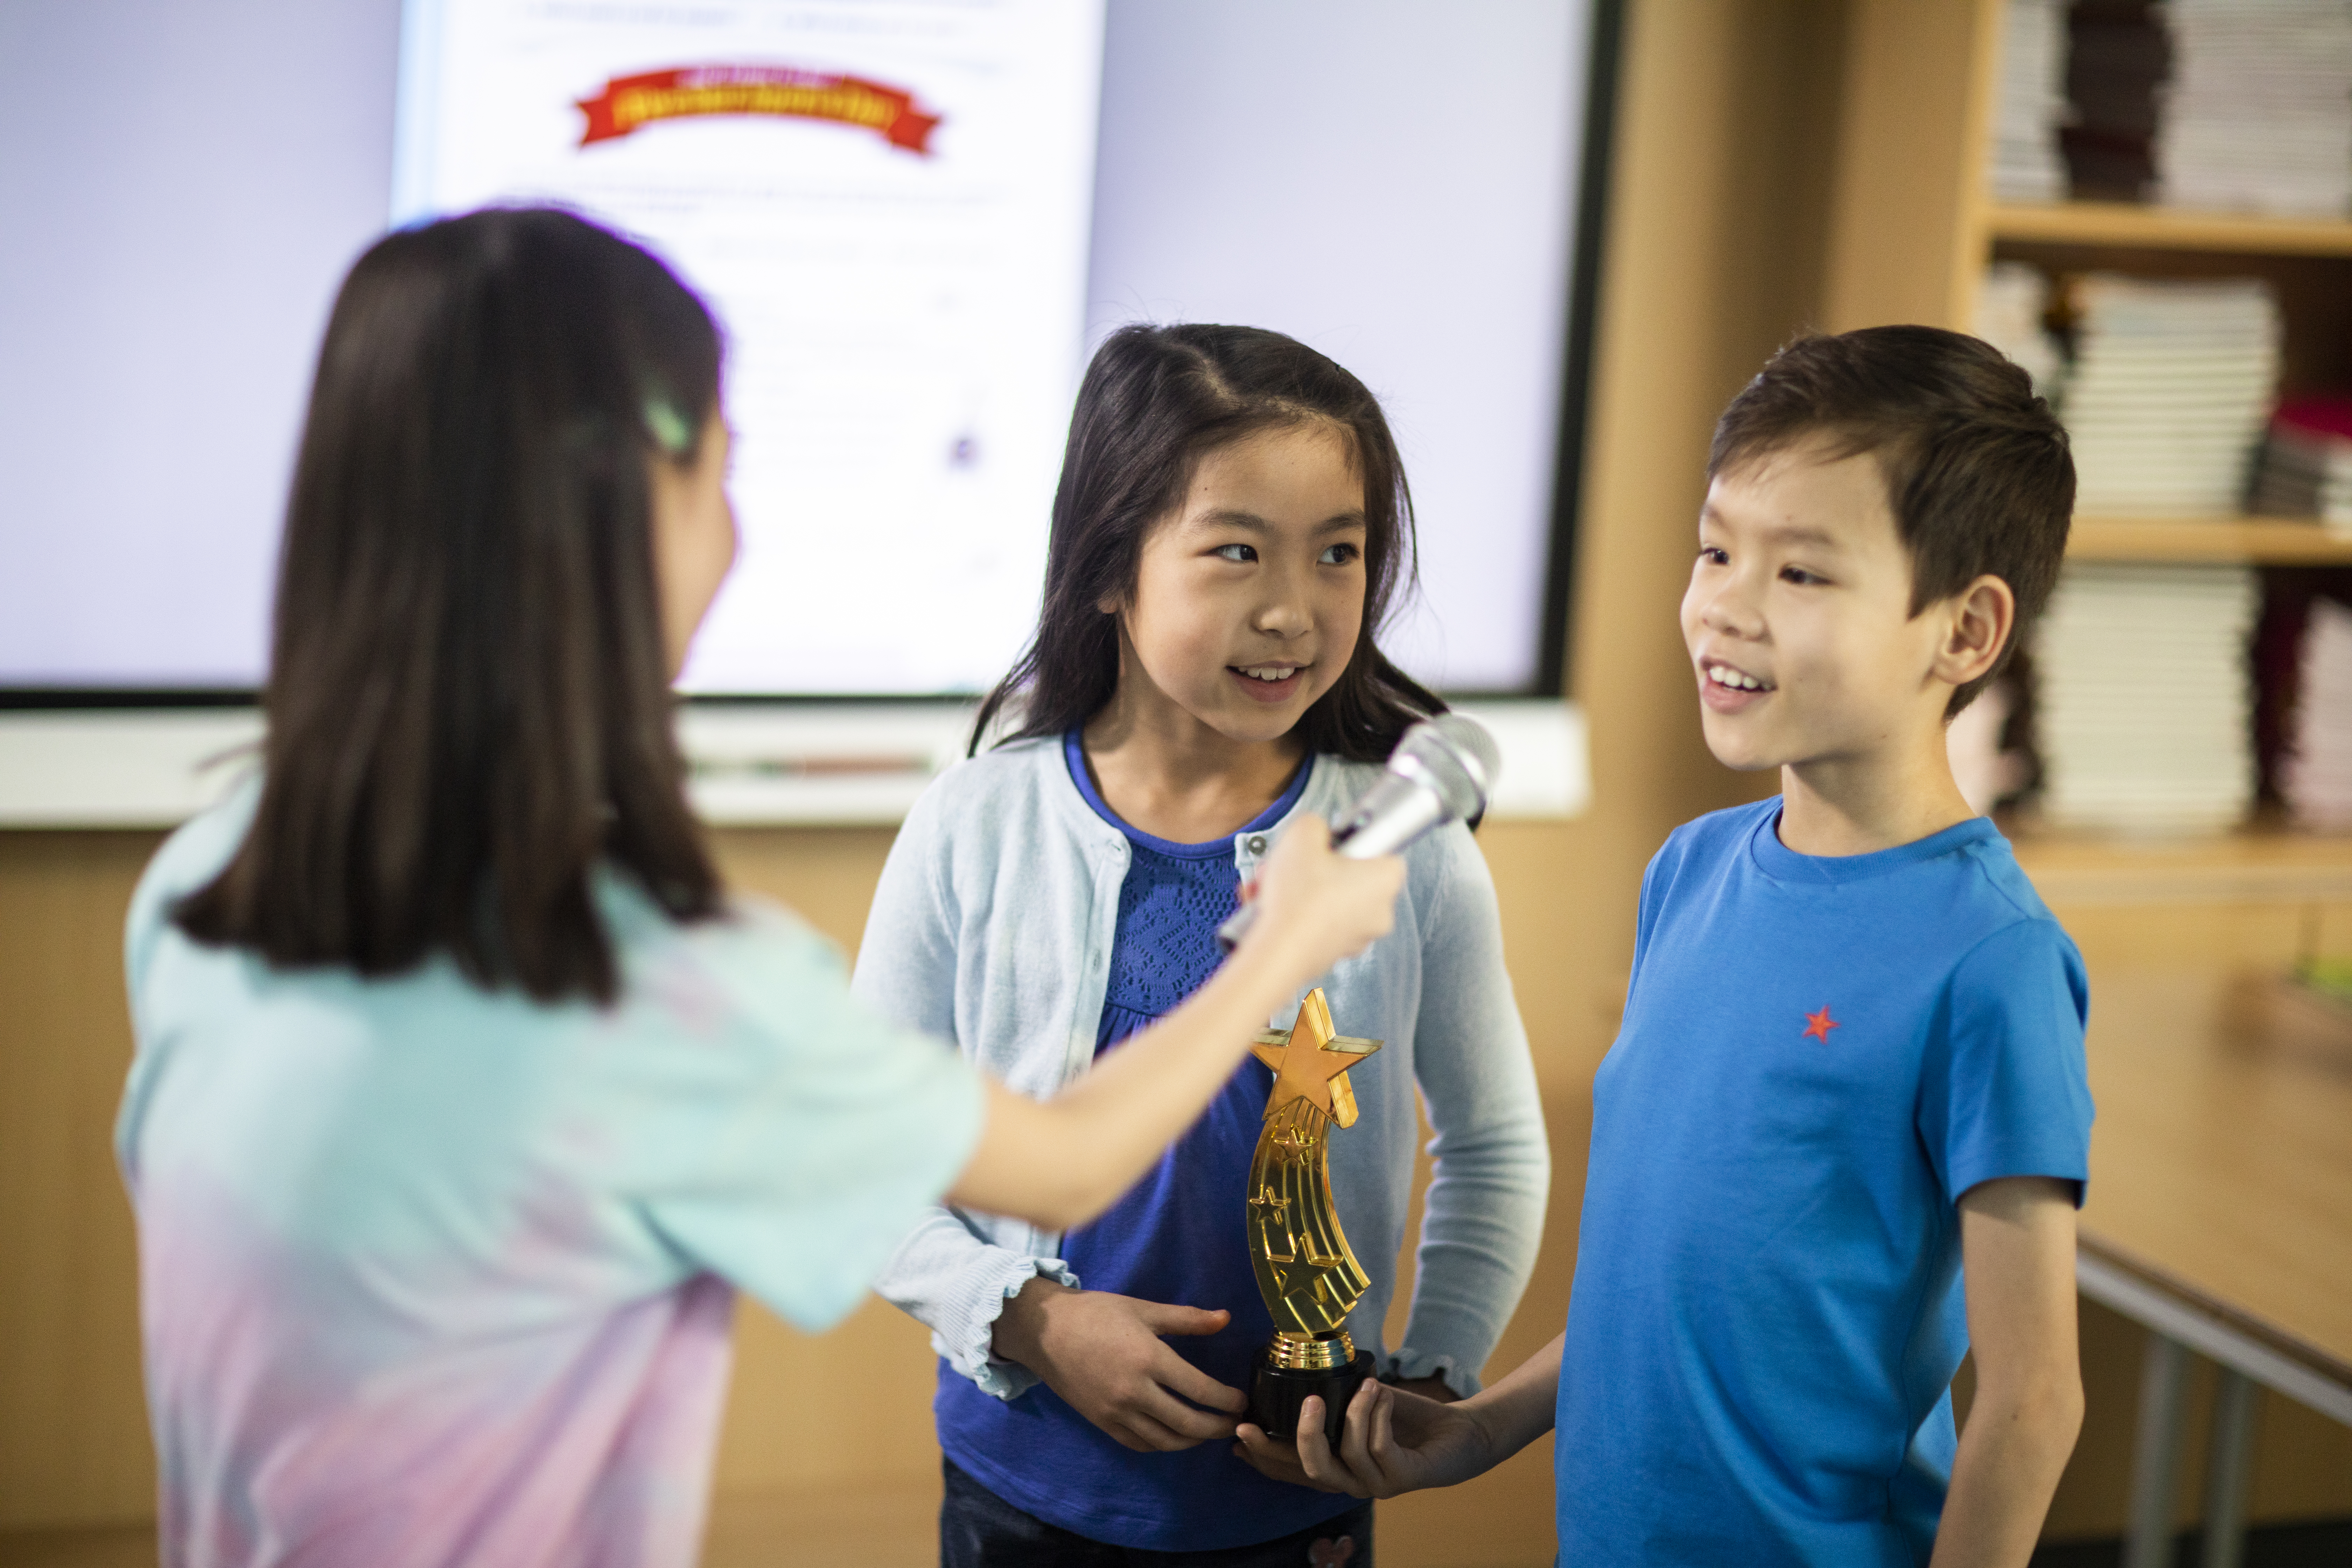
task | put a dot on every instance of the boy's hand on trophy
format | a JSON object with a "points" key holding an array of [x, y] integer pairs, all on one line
{"points": [[1324, 905], [1394, 1442], [1104, 1354]]}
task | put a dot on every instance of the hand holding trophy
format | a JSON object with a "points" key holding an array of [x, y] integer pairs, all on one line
{"points": [[1309, 1277], [1443, 770]]}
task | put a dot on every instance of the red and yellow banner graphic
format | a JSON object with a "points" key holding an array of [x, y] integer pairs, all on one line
{"points": [[628, 102]]}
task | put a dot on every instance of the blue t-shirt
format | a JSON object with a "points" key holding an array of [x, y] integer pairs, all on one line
{"points": [[1176, 1237], [1819, 1057]]}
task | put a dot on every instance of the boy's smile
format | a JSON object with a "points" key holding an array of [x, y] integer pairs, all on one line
{"points": [[1804, 642], [1726, 688], [1798, 615]]}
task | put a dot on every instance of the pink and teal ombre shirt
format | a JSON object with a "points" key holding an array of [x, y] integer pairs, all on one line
{"points": [[432, 1275]]}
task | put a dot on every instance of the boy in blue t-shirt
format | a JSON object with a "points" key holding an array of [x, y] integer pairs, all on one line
{"points": [[1843, 1133]]}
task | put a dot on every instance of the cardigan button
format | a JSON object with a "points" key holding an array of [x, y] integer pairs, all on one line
{"points": [[1254, 844]]}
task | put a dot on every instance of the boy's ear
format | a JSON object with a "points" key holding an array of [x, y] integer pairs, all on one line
{"points": [[1978, 621]]}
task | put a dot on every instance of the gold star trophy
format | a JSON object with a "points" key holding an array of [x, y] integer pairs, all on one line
{"points": [[1309, 1277]]}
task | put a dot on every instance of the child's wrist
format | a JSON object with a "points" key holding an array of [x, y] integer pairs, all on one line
{"points": [[1294, 954], [1020, 1322], [1269, 960], [1484, 1412]]}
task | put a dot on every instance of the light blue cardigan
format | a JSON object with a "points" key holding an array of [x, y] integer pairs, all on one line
{"points": [[992, 927]]}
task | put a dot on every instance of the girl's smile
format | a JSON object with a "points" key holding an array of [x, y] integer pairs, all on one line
{"points": [[1249, 596], [1247, 605], [1270, 682]]}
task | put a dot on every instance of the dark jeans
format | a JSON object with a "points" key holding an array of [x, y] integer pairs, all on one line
{"points": [[980, 1530]]}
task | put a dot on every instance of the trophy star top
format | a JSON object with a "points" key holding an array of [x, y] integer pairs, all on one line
{"points": [[1310, 1061]]}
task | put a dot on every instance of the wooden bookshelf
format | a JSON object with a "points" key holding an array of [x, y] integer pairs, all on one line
{"points": [[2254, 864], [1911, 229], [2131, 225], [2247, 541]]}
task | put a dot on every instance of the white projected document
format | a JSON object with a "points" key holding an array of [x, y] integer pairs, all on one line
{"points": [[887, 205]]}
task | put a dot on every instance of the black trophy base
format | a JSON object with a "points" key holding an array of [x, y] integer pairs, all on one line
{"points": [[1277, 1393]]}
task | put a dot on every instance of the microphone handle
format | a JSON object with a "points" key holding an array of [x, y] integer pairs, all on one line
{"points": [[1391, 815]]}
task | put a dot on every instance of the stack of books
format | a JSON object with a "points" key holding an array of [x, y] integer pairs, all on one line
{"points": [[2117, 59], [2316, 777], [2306, 466], [2012, 305], [2031, 104], [2145, 701], [2172, 385], [2258, 114]]}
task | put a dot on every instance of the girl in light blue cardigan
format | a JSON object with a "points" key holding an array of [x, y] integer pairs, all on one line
{"points": [[1231, 525]]}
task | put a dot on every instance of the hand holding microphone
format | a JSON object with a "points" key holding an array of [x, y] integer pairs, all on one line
{"points": [[1443, 770]]}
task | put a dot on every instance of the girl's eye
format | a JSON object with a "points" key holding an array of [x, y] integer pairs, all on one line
{"points": [[1800, 577], [1714, 555], [1338, 555], [1242, 553]]}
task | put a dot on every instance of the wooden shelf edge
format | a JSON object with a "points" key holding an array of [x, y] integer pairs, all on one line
{"points": [[2167, 228], [2256, 864], [2317, 1359], [2251, 540]]}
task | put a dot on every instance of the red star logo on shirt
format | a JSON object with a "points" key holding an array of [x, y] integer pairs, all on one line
{"points": [[1819, 1024]]}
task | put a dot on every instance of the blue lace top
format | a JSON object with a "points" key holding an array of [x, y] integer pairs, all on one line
{"points": [[1176, 1237], [1175, 898]]}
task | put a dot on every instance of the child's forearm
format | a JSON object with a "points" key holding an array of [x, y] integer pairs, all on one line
{"points": [[2012, 1454], [1519, 1409], [2017, 1247], [1063, 1162]]}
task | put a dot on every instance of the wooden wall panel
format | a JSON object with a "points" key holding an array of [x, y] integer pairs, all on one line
{"points": [[73, 1427], [1906, 236]]}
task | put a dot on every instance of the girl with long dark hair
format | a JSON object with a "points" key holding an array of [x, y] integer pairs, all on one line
{"points": [[464, 1092], [1232, 526]]}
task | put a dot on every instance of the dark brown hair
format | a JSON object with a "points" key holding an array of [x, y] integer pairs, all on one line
{"points": [[1153, 402], [1978, 475], [468, 700]]}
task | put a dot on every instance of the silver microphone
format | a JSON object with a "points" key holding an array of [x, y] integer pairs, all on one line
{"points": [[1444, 769]]}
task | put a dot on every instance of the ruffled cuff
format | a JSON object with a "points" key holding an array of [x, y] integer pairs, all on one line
{"points": [[1409, 1365], [969, 1353]]}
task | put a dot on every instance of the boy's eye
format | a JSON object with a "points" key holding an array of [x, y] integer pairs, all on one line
{"points": [[1338, 555], [1243, 553], [1714, 555], [1800, 577]]}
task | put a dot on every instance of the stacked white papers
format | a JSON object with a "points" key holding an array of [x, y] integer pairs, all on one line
{"points": [[2316, 777], [2172, 385], [2146, 701], [2258, 114], [2011, 305], [2306, 466], [2031, 104]]}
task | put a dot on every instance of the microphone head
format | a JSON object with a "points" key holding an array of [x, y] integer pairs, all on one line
{"points": [[1456, 757]]}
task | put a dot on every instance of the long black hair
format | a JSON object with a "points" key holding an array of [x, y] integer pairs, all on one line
{"points": [[1154, 401], [468, 702]]}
